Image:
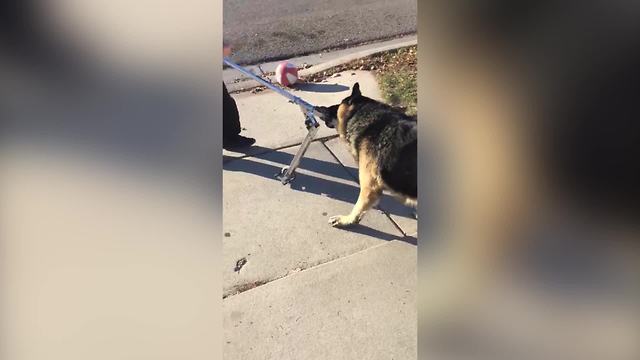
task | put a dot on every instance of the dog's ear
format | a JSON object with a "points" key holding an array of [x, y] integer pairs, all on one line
{"points": [[355, 94], [356, 91]]}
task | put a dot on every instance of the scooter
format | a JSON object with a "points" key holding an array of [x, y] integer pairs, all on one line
{"points": [[288, 173]]}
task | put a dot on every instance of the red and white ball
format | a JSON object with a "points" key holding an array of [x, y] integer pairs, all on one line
{"points": [[286, 73]]}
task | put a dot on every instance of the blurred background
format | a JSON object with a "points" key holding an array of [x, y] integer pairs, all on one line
{"points": [[532, 105], [110, 137], [110, 174]]}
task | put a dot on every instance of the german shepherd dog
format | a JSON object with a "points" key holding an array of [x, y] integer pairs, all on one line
{"points": [[384, 142]]}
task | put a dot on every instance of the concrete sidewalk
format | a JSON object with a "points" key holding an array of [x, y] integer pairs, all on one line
{"points": [[295, 287], [358, 307]]}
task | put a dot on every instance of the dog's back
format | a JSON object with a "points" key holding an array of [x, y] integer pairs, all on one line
{"points": [[390, 138]]}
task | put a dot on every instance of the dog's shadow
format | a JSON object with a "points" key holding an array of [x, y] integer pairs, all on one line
{"points": [[365, 230]]}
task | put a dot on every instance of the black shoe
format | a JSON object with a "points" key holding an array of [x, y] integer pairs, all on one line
{"points": [[237, 142]]}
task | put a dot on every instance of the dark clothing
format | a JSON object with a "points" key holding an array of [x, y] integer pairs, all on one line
{"points": [[22, 32], [231, 119]]}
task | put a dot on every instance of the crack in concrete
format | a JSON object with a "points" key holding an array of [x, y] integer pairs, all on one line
{"points": [[228, 158], [241, 288]]}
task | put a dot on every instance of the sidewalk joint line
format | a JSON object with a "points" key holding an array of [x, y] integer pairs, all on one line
{"points": [[268, 150], [340, 162], [260, 283]]}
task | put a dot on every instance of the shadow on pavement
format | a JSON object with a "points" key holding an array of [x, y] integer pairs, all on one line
{"points": [[312, 184], [365, 230], [323, 167], [321, 88]]}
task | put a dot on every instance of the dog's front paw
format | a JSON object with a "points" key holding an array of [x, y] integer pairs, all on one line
{"points": [[340, 221]]}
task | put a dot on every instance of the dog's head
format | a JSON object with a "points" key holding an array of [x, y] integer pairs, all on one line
{"points": [[328, 114], [336, 116]]}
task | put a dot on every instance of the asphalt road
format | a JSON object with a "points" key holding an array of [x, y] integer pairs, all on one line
{"points": [[264, 30]]}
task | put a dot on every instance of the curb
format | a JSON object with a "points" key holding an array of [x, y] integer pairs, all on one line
{"points": [[351, 57], [248, 85]]}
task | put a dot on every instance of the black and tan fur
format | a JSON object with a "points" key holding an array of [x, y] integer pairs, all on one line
{"points": [[383, 141]]}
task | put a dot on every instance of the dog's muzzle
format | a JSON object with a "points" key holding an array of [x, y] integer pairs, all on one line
{"points": [[323, 113]]}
